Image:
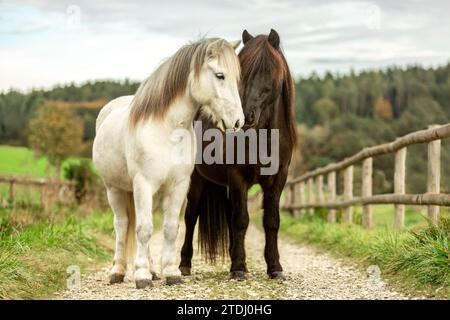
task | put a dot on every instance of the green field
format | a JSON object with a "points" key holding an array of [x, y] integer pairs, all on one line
{"points": [[22, 162]]}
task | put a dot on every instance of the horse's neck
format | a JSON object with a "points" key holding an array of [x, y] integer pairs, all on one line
{"points": [[278, 115], [181, 113]]}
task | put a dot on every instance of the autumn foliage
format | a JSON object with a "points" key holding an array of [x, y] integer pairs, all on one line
{"points": [[56, 132], [383, 109]]}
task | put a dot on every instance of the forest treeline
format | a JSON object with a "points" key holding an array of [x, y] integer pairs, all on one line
{"points": [[16, 108], [337, 116]]}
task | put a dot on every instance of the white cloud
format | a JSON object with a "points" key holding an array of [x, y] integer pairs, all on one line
{"points": [[118, 39]]}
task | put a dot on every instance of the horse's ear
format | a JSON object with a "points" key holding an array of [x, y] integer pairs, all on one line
{"points": [[246, 36], [274, 39], [235, 44]]}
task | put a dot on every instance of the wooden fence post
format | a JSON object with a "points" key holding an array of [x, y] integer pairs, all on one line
{"points": [[348, 193], [259, 200], [320, 197], [292, 198], [12, 191], [43, 196], [331, 180], [287, 196], [399, 187], [301, 199], [309, 195], [367, 191], [256, 201], [434, 175]]}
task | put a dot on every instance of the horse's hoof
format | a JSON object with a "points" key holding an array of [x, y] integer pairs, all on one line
{"points": [[173, 280], [155, 276], [116, 278], [238, 275], [277, 275], [185, 271], [144, 283]]}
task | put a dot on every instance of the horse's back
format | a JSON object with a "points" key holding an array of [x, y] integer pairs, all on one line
{"points": [[119, 102]]}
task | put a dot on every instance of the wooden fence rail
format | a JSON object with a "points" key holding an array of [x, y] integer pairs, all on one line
{"points": [[296, 203], [49, 189]]}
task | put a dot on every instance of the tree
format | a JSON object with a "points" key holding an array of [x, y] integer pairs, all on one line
{"points": [[325, 110], [383, 109], [422, 112], [55, 132]]}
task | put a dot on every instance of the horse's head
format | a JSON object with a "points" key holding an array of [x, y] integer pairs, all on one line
{"points": [[214, 84], [263, 74]]}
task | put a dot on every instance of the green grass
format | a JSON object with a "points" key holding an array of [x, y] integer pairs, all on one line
{"points": [[34, 256], [37, 247], [24, 195], [383, 216], [22, 162], [417, 257]]}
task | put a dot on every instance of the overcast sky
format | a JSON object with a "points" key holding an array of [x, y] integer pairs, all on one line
{"points": [[47, 42]]}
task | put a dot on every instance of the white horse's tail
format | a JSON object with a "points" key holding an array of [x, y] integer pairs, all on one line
{"points": [[130, 246]]}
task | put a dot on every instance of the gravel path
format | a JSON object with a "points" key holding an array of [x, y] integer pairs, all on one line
{"points": [[310, 275]]}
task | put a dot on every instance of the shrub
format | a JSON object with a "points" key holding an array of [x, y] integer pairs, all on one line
{"points": [[88, 187]]}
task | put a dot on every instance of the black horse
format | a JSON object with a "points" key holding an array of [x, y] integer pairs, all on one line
{"points": [[218, 192]]}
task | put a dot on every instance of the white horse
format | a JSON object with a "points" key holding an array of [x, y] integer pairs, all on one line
{"points": [[134, 141]]}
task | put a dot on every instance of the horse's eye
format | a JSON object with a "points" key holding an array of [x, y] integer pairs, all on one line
{"points": [[220, 76]]}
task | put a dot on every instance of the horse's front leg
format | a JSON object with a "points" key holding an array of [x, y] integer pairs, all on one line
{"points": [[271, 223], [239, 225], [172, 205], [143, 200]]}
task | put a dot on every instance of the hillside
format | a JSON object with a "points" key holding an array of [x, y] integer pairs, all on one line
{"points": [[337, 115]]}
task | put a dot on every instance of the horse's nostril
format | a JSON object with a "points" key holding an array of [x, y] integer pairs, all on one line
{"points": [[236, 125]]}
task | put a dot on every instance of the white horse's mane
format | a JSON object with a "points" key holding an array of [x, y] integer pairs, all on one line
{"points": [[169, 80]]}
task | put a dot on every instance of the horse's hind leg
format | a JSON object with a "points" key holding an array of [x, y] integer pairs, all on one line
{"points": [[172, 205], [190, 220], [229, 215], [118, 201]]}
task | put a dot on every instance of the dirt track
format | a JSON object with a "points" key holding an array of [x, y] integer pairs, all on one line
{"points": [[310, 275]]}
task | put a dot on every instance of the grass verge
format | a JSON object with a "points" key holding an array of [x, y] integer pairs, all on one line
{"points": [[416, 260], [37, 247], [34, 256]]}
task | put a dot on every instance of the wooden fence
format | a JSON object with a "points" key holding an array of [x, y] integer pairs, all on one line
{"points": [[307, 192], [50, 190]]}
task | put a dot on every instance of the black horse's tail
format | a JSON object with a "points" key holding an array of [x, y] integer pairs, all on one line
{"points": [[213, 226]]}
